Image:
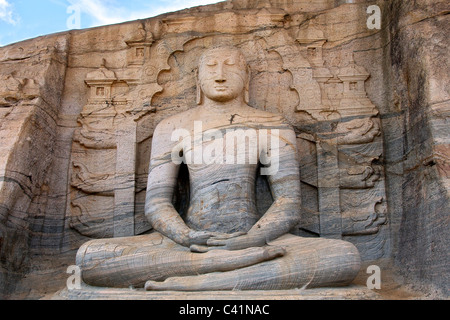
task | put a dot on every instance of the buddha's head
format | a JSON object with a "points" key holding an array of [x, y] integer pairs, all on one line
{"points": [[223, 75]]}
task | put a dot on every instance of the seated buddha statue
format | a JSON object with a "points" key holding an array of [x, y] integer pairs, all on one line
{"points": [[221, 242]]}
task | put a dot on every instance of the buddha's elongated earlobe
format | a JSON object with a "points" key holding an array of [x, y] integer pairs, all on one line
{"points": [[246, 92], [199, 94], [199, 89], [247, 87]]}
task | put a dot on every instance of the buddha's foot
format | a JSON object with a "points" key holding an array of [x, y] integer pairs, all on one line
{"points": [[272, 252], [239, 259]]}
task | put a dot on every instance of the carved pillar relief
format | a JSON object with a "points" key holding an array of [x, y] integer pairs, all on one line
{"points": [[105, 146], [344, 136]]}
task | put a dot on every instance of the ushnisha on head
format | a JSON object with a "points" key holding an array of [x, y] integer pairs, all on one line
{"points": [[223, 75]]}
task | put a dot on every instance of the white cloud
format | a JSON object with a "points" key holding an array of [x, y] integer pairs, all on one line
{"points": [[6, 12], [106, 12], [100, 11], [175, 5]]}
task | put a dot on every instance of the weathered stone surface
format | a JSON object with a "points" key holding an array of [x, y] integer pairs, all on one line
{"points": [[418, 62], [370, 108], [32, 79]]}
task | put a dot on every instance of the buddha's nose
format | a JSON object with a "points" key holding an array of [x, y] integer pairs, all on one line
{"points": [[220, 75]]}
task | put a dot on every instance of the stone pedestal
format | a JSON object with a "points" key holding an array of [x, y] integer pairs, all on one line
{"points": [[353, 292]]}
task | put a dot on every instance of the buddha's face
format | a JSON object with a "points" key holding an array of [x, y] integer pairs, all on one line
{"points": [[222, 74]]}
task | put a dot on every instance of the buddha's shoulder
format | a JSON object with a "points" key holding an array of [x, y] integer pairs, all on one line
{"points": [[258, 112], [178, 120], [266, 117]]}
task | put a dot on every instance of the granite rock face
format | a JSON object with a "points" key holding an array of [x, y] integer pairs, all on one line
{"points": [[421, 94], [370, 109]]}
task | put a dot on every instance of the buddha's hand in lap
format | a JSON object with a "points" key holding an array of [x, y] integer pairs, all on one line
{"points": [[200, 239], [235, 241]]}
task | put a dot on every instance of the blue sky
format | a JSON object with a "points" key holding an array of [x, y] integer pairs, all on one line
{"points": [[24, 19]]}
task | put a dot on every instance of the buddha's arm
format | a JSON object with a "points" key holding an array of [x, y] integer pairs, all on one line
{"points": [[162, 180], [284, 214]]}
